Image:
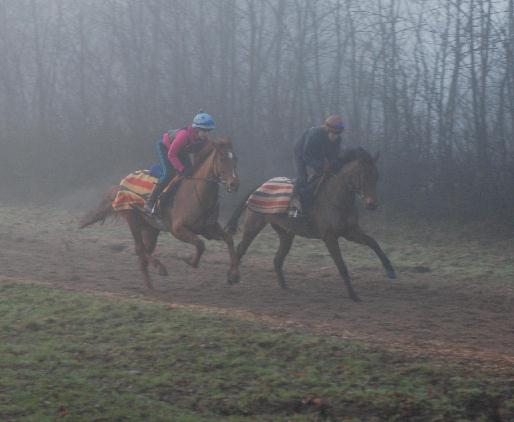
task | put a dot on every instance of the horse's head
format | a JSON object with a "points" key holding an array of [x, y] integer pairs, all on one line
{"points": [[362, 175], [225, 164]]}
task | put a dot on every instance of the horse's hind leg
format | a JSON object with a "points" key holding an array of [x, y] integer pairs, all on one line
{"points": [[150, 235], [286, 240], [253, 225], [335, 252], [358, 236], [135, 224]]}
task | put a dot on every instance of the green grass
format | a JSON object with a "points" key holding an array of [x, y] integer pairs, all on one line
{"points": [[79, 357]]}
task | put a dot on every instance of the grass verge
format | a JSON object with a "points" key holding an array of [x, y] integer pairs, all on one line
{"points": [[67, 355]]}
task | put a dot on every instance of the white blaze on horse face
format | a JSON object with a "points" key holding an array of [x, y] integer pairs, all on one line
{"points": [[231, 156]]}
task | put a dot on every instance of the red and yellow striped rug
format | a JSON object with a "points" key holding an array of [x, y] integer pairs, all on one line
{"points": [[135, 189]]}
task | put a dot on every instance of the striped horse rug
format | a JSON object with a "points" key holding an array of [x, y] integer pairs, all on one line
{"points": [[135, 189], [272, 197]]}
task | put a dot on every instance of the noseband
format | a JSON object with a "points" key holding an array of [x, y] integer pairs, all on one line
{"points": [[212, 177]]}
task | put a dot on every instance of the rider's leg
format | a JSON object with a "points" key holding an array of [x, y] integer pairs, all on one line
{"points": [[300, 184], [152, 200], [166, 174]]}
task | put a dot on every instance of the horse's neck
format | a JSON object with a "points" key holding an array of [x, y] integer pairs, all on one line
{"points": [[202, 176], [205, 168], [338, 188]]}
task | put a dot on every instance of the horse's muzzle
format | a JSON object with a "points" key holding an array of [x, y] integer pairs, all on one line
{"points": [[370, 204], [232, 186]]}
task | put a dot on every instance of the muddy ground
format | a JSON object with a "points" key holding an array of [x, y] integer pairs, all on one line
{"points": [[453, 298]]}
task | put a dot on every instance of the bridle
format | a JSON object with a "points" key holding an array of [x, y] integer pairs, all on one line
{"points": [[212, 177], [352, 189]]}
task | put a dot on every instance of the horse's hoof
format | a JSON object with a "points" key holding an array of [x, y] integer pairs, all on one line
{"points": [[355, 298], [190, 262], [391, 274], [233, 279]]}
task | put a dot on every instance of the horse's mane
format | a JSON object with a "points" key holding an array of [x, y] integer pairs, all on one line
{"points": [[352, 154], [203, 154], [208, 148]]}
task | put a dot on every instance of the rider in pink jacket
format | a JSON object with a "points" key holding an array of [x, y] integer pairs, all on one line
{"points": [[188, 140], [173, 150]]}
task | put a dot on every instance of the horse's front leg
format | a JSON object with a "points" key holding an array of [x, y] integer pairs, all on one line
{"points": [[181, 232], [358, 236], [217, 233], [335, 252]]}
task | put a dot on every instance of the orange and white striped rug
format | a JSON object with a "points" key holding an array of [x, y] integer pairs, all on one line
{"points": [[272, 197]]}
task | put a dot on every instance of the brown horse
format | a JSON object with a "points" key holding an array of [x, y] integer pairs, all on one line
{"points": [[334, 214], [194, 211]]}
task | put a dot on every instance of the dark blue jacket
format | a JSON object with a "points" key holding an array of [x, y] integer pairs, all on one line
{"points": [[314, 149]]}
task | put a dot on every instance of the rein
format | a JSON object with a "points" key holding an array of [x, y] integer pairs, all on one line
{"points": [[211, 178], [324, 178]]}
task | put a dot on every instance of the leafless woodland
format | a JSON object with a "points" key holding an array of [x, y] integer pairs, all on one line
{"points": [[86, 86]]}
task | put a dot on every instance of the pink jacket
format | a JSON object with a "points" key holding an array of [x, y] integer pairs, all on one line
{"points": [[186, 140]]}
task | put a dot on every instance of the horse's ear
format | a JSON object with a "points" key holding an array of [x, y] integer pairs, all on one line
{"points": [[223, 144], [376, 156]]}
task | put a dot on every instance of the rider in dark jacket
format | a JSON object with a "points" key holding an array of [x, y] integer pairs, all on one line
{"points": [[317, 149]]}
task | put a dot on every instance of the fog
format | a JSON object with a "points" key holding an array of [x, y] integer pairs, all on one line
{"points": [[87, 86]]}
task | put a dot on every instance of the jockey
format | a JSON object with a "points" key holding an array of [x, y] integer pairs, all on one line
{"points": [[317, 149], [173, 150]]}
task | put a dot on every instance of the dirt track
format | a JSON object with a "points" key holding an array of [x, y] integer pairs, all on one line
{"points": [[423, 313]]}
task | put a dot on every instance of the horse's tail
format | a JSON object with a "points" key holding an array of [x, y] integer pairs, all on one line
{"points": [[102, 211], [231, 226]]}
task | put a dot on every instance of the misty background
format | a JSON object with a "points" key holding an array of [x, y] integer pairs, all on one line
{"points": [[87, 86]]}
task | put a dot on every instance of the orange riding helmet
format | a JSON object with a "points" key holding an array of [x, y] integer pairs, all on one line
{"points": [[334, 123]]}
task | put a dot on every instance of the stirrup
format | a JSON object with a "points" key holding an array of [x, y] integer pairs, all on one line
{"points": [[153, 211], [295, 213]]}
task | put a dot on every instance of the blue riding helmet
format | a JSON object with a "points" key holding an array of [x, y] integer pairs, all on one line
{"points": [[204, 121]]}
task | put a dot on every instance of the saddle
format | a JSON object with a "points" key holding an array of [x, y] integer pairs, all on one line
{"points": [[304, 196], [137, 187], [280, 195], [169, 191], [272, 197]]}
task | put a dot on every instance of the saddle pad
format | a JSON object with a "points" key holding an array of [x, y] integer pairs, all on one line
{"points": [[135, 189], [272, 197]]}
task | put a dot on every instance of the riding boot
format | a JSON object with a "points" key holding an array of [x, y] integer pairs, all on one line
{"points": [[167, 197], [298, 202], [305, 196], [151, 203]]}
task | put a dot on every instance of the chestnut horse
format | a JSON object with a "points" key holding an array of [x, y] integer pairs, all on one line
{"points": [[333, 214], [194, 210]]}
